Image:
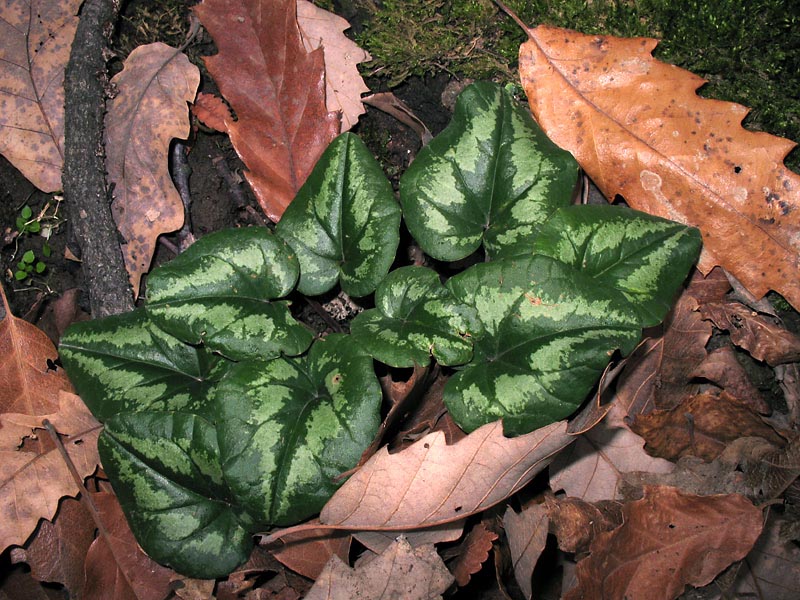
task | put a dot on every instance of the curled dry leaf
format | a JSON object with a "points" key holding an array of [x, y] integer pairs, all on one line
{"points": [[764, 340], [148, 112], [277, 90], [37, 37], [638, 129], [527, 536], [473, 553], [343, 83], [430, 483], [668, 540], [399, 572], [722, 368], [212, 111], [575, 523], [701, 426]]}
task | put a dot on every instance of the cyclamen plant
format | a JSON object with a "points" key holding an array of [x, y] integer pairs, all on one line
{"points": [[224, 417]]}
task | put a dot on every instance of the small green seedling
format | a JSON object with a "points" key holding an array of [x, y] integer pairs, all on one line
{"points": [[29, 265]]}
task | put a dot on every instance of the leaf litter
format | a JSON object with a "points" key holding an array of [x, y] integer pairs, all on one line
{"points": [[769, 465]]}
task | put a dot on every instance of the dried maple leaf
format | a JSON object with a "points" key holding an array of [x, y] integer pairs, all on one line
{"points": [[638, 128], [277, 91], [37, 36], [527, 536], [668, 540], [430, 483], [343, 83], [399, 572], [701, 426], [148, 112], [473, 553]]}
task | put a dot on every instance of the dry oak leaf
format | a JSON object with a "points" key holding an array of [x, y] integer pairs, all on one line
{"points": [[638, 129], [37, 37], [378, 541], [527, 536], [430, 483], [116, 567], [399, 572], [343, 83], [277, 91], [147, 113], [30, 386], [474, 551], [667, 540], [763, 339]]}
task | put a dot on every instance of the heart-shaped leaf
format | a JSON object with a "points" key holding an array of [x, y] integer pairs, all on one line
{"points": [[415, 318], [344, 222], [219, 292], [165, 470], [288, 426], [645, 258], [124, 363], [549, 332], [491, 176]]}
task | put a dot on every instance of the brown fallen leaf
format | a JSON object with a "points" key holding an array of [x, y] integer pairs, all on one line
{"points": [[668, 540], [723, 370], [575, 523], [116, 567], [763, 339], [343, 82], [307, 552], [474, 551], [37, 37], [212, 111], [701, 426], [593, 469], [430, 483], [57, 552], [378, 541], [29, 386], [149, 110], [399, 572], [638, 129], [277, 91], [527, 536]]}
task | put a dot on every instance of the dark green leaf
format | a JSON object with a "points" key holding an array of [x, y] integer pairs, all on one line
{"points": [[491, 176], [415, 317], [220, 291], [344, 222], [287, 427]]}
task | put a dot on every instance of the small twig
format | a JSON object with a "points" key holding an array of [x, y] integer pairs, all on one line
{"points": [[513, 15], [324, 314], [180, 176]]}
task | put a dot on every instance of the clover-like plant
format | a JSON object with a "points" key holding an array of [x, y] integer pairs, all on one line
{"points": [[222, 416]]}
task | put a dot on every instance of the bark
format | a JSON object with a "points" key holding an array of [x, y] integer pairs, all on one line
{"points": [[88, 200]]}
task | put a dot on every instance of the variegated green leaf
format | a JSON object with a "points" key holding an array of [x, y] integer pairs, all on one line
{"points": [[288, 426], [220, 293], [166, 473], [344, 222], [125, 363], [645, 258], [548, 333], [415, 317], [491, 176]]}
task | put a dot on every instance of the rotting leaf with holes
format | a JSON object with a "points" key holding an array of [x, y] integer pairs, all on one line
{"points": [[415, 318], [221, 290], [344, 222], [489, 178]]}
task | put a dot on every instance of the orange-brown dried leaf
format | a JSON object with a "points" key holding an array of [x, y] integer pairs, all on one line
{"points": [[701, 426], [116, 567], [575, 523], [527, 536], [212, 111], [307, 552], [638, 128], [147, 113], [474, 551], [277, 91], [37, 37], [763, 339], [668, 540]]}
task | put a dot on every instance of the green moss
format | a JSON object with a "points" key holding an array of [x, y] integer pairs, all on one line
{"points": [[749, 50]]}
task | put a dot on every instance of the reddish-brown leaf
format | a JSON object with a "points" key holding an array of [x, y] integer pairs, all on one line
{"points": [[37, 37], [473, 553], [668, 540], [212, 111], [116, 567], [527, 535], [701, 426], [723, 370], [638, 129], [148, 112], [277, 91], [430, 483], [575, 523], [763, 339], [307, 552]]}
